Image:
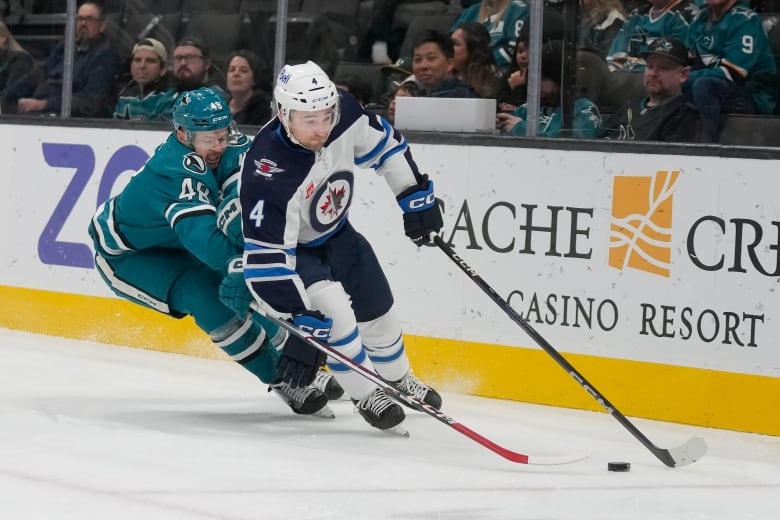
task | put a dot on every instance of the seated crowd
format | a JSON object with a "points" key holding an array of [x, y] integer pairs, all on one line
{"points": [[687, 65]]}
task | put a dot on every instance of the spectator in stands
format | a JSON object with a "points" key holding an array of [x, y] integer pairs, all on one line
{"points": [[664, 114], [359, 88], [514, 85], [731, 56], [405, 89], [473, 61], [382, 39], [192, 68], [504, 19], [659, 18], [147, 96], [15, 62], [249, 104], [600, 22], [95, 70], [586, 121], [432, 67]]}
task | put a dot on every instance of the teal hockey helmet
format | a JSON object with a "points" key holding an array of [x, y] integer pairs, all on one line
{"points": [[201, 110]]}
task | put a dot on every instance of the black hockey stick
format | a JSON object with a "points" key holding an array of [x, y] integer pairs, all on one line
{"points": [[682, 455], [401, 396]]}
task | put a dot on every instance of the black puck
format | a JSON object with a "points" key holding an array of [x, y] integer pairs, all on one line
{"points": [[619, 466]]}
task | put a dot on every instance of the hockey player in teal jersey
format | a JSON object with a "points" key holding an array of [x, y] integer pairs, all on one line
{"points": [[504, 19], [731, 54], [158, 242]]}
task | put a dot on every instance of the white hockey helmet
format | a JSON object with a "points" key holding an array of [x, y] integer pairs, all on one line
{"points": [[307, 88]]}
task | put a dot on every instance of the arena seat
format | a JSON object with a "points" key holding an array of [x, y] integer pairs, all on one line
{"points": [[422, 22]]}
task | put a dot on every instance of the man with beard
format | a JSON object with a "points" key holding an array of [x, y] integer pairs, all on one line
{"points": [[193, 68], [664, 115], [96, 67]]}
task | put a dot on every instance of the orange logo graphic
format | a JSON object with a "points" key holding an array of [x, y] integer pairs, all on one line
{"points": [[640, 234]]}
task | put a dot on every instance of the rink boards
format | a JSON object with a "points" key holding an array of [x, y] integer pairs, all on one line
{"points": [[657, 276]]}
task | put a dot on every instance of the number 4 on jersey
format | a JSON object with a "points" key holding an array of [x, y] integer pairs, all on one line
{"points": [[256, 214]]}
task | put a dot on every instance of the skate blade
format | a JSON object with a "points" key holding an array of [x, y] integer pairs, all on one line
{"points": [[399, 431], [323, 413]]}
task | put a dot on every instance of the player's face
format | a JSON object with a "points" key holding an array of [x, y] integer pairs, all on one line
{"points": [[664, 77], [146, 67], [430, 65], [312, 129], [211, 145]]}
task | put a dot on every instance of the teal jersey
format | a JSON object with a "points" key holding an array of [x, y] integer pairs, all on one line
{"points": [[503, 31], [735, 48], [641, 28], [152, 106], [171, 203], [587, 120]]}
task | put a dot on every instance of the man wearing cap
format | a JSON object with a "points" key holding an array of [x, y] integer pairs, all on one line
{"points": [[731, 55], [147, 95], [664, 114]]}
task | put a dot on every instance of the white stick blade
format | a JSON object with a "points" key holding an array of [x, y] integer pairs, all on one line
{"points": [[555, 460], [688, 453]]}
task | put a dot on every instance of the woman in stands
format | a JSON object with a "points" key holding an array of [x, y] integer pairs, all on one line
{"points": [[15, 62], [504, 19], [249, 104], [473, 62]]}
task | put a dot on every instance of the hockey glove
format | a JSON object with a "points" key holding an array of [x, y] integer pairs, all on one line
{"points": [[300, 361], [233, 291], [229, 220], [422, 215]]}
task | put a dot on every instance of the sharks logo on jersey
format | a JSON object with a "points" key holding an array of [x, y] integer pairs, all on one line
{"points": [[194, 163], [331, 200]]}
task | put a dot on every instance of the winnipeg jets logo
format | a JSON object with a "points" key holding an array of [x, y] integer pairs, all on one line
{"points": [[331, 200], [333, 203], [266, 168], [194, 163]]}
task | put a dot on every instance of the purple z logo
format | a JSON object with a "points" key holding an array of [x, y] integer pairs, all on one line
{"points": [[81, 157]]}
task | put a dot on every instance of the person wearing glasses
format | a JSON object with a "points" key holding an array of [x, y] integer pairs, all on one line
{"points": [[96, 67], [193, 68], [162, 242], [147, 95]]}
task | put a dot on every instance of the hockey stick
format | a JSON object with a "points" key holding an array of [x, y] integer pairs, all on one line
{"points": [[419, 405], [682, 455]]}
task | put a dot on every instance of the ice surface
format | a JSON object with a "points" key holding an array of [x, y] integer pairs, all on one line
{"points": [[96, 431]]}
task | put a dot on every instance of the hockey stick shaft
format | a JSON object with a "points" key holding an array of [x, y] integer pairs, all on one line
{"points": [[683, 455], [417, 404]]}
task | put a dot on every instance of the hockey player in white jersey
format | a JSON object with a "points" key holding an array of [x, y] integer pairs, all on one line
{"points": [[304, 261]]}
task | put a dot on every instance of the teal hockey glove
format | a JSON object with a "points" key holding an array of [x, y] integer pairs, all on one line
{"points": [[233, 291]]}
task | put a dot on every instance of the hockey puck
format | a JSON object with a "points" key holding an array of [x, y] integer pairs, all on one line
{"points": [[619, 466]]}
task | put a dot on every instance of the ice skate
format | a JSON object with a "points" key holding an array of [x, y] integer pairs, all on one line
{"points": [[411, 385], [327, 384], [382, 412], [306, 400]]}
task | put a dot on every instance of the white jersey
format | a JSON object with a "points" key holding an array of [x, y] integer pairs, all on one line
{"points": [[292, 197]]}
